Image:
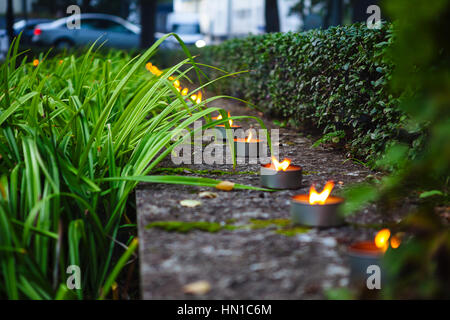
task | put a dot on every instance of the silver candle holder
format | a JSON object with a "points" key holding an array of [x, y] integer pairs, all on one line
{"points": [[365, 254], [361, 256], [290, 178], [316, 215], [247, 148]]}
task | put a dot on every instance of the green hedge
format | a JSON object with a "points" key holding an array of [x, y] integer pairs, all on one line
{"points": [[334, 80]]}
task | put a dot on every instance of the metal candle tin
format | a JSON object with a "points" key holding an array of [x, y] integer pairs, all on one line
{"points": [[289, 179], [361, 255], [316, 215], [221, 131], [246, 149]]}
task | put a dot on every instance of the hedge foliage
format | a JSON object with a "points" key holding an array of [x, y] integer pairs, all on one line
{"points": [[335, 80]]}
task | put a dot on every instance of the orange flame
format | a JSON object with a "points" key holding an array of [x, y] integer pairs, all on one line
{"points": [[199, 97], [281, 166], [184, 92], [320, 198], [249, 138], [219, 117], [395, 242], [230, 121], [382, 240]]}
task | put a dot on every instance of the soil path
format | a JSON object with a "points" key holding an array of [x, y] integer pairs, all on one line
{"points": [[255, 256]]}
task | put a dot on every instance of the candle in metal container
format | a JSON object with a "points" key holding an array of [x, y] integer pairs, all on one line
{"points": [[317, 209], [282, 175], [247, 147], [363, 254], [221, 129]]}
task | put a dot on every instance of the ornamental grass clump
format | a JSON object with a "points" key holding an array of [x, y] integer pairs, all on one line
{"points": [[77, 134]]}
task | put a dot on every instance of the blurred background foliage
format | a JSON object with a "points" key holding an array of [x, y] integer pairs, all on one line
{"points": [[421, 57]]}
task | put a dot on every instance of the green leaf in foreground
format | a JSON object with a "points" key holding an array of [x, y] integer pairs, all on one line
{"points": [[430, 193], [182, 180]]}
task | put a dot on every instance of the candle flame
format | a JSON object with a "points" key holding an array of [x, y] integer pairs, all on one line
{"points": [[219, 117], [281, 166], [230, 121], [320, 198], [199, 97], [395, 242], [249, 138], [382, 240]]}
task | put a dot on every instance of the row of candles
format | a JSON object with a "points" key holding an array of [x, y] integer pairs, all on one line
{"points": [[316, 209]]}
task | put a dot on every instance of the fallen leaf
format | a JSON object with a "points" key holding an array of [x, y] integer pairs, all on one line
{"points": [[198, 288], [207, 194], [190, 203], [225, 185]]}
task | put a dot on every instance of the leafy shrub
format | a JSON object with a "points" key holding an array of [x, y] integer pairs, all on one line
{"points": [[335, 80]]}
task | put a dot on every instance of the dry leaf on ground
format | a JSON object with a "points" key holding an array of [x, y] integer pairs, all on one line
{"points": [[207, 194], [198, 288], [225, 185], [190, 203]]}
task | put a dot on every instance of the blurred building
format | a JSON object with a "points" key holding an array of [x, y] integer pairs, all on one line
{"points": [[235, 18], [18, 6]]}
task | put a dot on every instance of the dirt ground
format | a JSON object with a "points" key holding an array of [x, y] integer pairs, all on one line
{"points": [[253, 260]]}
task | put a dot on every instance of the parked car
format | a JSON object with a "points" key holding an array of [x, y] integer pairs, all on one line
{"points": [[116, 31], [27, 28], [4, 44], [187, 26]]}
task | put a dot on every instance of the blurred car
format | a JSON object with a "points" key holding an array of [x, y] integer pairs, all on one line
{"points": [[27, 28], [117, 32], [187, 26], [4, 44]]}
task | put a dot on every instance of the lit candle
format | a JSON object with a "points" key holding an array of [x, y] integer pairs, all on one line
{"points": [[282, 175], [317, 209], [247, 147], [370, 253], [222, 129]]}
